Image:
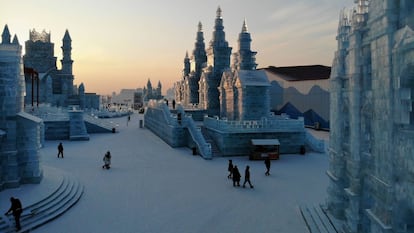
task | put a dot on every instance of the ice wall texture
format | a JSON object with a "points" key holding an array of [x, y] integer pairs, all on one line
{"points": [[19, 132], [372, 118]]}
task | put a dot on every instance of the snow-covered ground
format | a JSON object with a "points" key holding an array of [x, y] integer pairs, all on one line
{"points": [[152, 187]]}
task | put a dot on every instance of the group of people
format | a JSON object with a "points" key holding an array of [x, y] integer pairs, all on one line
{"points": [[234, 173]]}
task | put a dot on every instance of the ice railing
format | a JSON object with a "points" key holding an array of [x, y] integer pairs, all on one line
{"points": [[272, 123], [168, 117], [48, 113], [314, 143]]}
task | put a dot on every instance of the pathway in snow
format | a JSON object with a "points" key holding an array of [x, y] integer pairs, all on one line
{"points": [[152, 187]]}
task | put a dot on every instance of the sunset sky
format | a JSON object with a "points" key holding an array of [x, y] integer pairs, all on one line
{"points": [[121, 44]]}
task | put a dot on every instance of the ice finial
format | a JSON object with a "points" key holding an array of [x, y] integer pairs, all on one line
{"points": [[15, 40], [218, 12], [186, 54], [67, 36], [200, 27], [244, 28], [6, 35]]}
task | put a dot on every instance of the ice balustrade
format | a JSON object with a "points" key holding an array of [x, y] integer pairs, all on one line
{"points": [[185, 121], [316, 144], [273, 123]]}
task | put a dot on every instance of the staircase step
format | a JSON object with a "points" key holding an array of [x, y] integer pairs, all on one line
{"points": [[47, 209], [214, 148], [317, 220]]}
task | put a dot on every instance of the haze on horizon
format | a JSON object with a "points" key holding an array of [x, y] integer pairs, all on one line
{"points": [[122, 44]]}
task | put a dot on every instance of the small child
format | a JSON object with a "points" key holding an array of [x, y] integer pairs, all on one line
{"points": [[107, 160]]}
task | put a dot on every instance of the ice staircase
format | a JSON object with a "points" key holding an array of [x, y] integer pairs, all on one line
{"points": [[215, 151], [318, 220], [65, 196]]}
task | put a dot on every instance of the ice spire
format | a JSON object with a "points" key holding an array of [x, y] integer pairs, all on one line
{"points": [[66, 37], [6, 35], [187, 65], [199, 52], [244, 28], [218, 12], [67, 61], [200, 27], [15, 40], [244, 59]]}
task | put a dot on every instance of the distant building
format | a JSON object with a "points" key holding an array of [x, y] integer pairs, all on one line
{"points": [[20, 133], [50, 85], [371, 170], [152, 93], [301, 91], [138, 100], [125, 97]]}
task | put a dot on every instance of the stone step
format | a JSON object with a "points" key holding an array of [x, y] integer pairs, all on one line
{"points": [[317, 220], [51, 207]]}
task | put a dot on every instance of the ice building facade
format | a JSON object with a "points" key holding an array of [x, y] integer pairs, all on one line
{"points": [[45, 83], [371, 148], [20, 133]]}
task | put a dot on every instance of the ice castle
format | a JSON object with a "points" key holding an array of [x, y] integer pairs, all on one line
{"points": [[372, 119], [45, 83], [223, 106]]}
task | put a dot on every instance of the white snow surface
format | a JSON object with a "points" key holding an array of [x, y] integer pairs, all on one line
{"points": [[152, 187]]}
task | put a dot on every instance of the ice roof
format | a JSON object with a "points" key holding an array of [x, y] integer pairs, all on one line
{"points": [[252, 78]]}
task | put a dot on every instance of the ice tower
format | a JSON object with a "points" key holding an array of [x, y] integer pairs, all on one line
{"points": [[218, 60], [372, 119], [20, 132], [244, 59]]}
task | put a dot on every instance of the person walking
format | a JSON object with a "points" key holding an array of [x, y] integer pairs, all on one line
{"points": [[107, 160], [230, 169], [267, 163], [247, 177], [236, 176], [60, 150], [16, 209]]}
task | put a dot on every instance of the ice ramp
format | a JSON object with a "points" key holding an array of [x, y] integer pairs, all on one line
{"points": [[97, 125]]}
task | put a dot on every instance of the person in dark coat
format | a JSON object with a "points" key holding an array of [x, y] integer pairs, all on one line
{"points": [[173, 104], [16, 208], [60, 150], [236, 176], [247, 177], [230, 169], [267, 163]]}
